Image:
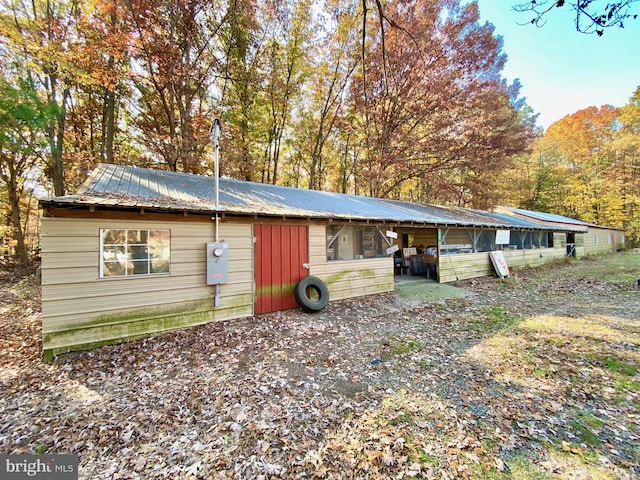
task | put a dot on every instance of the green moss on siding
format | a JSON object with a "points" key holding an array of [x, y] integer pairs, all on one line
{"points": [[336, 277], [343, 280], [366, 273], [137, 323], [342, 274]]}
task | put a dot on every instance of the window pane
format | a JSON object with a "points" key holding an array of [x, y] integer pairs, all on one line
{"points": [[159, 265], [132, 236], [372, 243], [135, 252], [112, 237], [139, 268], [159, 236], [332, 246], [352, 242], [113, 253], [137, 236], [113, 269], [114, 261], [159, 245]]}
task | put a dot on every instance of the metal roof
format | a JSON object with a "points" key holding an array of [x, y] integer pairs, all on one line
{"points": [[549, 219], [120, 186]]}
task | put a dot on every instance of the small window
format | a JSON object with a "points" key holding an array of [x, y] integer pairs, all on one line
{"points": [[134, 252], [346, 242]]}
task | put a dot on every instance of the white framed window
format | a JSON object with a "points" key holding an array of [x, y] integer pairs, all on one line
{"points": [[128, 252]]}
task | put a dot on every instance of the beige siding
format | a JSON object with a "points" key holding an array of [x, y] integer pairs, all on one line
{"points": [[79, 309], [472, 265], [347, 279], [317, 246], [537, 256], [464, 266], [602, 240], [355, 278], [560, 240]]}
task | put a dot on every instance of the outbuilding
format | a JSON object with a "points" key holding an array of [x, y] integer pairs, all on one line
{"points": [[138, 252]]}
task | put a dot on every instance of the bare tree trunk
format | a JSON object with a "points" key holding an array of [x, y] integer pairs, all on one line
{"points": [[108, 126], [16, 220], [57, 165], [56, 136], [109, 112]]}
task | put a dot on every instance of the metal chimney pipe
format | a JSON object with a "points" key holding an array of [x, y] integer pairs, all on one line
{"points": [[216, 136]]}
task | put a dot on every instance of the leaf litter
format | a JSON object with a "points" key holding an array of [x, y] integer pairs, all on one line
{"points": [[535, 376]]}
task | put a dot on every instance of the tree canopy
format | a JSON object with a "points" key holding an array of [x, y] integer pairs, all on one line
{"points": [[306, 98], [586, 166], [394, 99]]}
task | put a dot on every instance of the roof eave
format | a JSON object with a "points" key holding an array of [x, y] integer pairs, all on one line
{"points": [[96, 202]]}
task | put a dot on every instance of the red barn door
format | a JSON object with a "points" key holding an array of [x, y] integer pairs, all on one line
{"points": [[280, 252]]}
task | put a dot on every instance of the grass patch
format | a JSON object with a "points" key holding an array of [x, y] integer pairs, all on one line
{"points": [[543, 372], [524, 469], [517, 468], [585, 433], [406, 346], [398, 346], [587, 418], [614, 365], [618, 268], [629, 385], [570, 457], [496, 318], [425, 458], [40, 449], [425, 364]]}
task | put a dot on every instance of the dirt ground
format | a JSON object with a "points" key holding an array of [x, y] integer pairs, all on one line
{"points": [[534, 377]]}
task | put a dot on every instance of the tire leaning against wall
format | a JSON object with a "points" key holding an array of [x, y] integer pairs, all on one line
{"points": [[301, 292]]}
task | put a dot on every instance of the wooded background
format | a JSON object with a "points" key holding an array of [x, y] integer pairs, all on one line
{"points": [[392, 99]]}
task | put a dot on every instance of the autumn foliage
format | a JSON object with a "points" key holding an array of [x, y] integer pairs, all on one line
{"points": [[586, 166], [393, 99]]}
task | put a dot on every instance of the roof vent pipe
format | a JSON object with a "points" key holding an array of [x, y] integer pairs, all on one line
{"points": [[216, 167], [216, 171]]}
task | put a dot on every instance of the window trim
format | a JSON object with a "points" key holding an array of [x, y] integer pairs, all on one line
{"points": [[338, 237], [126, 244]]}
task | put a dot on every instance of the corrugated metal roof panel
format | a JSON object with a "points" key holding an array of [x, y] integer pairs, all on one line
{"points": [[547, 217], [512, 219], [127, 186]]}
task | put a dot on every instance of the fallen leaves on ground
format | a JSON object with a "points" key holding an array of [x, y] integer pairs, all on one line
{"points": [[535, 376]]}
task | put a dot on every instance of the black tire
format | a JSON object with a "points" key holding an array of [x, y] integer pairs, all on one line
{"points": [[302, 293]]}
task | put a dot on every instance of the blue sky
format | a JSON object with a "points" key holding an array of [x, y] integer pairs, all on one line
{"points": [[563, 71]]}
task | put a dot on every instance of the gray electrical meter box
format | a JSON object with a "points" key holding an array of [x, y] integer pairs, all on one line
{"points": [[217, 263]]}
